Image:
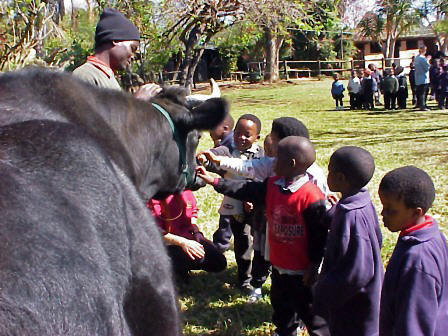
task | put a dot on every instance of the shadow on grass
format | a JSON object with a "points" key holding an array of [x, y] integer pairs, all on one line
{"points": [[212, 302]]}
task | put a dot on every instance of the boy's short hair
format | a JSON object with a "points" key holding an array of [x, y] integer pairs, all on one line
{"points": [[355, 163], [289, 126], [299, 148], [410, 184], [335, 76], [253, 118], [387, 72], [228, 121]]}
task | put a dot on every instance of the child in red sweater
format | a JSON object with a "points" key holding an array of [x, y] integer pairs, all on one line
{"points": [[187, 247], [295, 209]]}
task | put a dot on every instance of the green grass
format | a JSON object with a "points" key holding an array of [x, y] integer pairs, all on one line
{"points": [[211, 304]]}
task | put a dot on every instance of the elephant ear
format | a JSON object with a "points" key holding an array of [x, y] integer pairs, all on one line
{"points": [[206, 116]]}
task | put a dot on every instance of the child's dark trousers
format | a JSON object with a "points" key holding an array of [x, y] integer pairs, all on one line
{"points": [[291, 301], [390, 100], [242, 245]]}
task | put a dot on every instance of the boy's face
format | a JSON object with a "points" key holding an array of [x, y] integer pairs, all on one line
{"points": [[396, 215], [219, 132], [245, 134], [283, 165], [288, 167], [335, 179]]}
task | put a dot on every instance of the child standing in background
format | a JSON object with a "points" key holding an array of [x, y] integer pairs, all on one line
{"points": [[389, 88], [443, 98], [337, 89], [354, 89], [402, 94], [368, 88]]}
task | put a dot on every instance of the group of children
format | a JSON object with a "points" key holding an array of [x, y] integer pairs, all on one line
{"points": [[366, 86], [277, 207], [362, 87]]}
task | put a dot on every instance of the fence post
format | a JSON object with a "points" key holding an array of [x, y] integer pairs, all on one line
{"points": [[383, 64], [286, 69], [318, 67], [352, 65]]}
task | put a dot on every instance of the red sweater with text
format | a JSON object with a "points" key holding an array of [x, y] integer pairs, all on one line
{"points": [[288, 235], [296, 220]]}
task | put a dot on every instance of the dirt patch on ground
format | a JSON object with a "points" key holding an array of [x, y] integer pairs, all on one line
{"points": [[204, 88]]}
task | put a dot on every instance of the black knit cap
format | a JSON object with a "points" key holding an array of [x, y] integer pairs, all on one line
{"points": [[114, 26]]}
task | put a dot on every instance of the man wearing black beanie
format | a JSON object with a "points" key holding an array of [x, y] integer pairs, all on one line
{"points": [[116, 41]]}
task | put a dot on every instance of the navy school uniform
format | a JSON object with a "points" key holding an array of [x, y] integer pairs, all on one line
{"points": [[443, 93], [402, 94], [348, 291], [414, 299], [368, 88]]}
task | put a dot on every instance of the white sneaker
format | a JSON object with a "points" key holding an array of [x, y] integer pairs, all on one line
{"points": [[255, 295]]}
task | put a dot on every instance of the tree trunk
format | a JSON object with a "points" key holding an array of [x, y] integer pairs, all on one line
{"points": [[177, 65], [386, 50], [193, 39], [271, 70], [392, 49], [444, 46], [194, 63]]}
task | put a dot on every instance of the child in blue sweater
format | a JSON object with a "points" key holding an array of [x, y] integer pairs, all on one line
{"points": [[414, 298], [348, 291], [337, 89]]}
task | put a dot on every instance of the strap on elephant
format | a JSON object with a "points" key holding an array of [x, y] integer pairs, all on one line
{"points": [[179, 142]]}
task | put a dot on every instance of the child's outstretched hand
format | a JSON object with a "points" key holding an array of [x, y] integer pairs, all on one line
{"points": [[201, 158], [209, 156], [202, 173]]}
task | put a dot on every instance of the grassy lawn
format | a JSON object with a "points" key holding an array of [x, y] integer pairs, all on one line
{"points": [[211, 304]]}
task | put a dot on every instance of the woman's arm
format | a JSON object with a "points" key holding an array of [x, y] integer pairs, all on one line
{"points": [[193, 249]]}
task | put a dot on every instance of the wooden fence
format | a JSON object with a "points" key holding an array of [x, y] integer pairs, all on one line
{"points": [[296, 69], [315, 68]]}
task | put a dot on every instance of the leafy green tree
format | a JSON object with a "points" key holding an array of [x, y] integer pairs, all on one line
{"points": [[233, 42], [391, 19], [24, 25], [435, 13], [275, 17], [194, 23], [71, 49]]}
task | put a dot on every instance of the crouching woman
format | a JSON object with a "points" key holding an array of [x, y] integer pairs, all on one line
{"points": [[187, 247]]}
